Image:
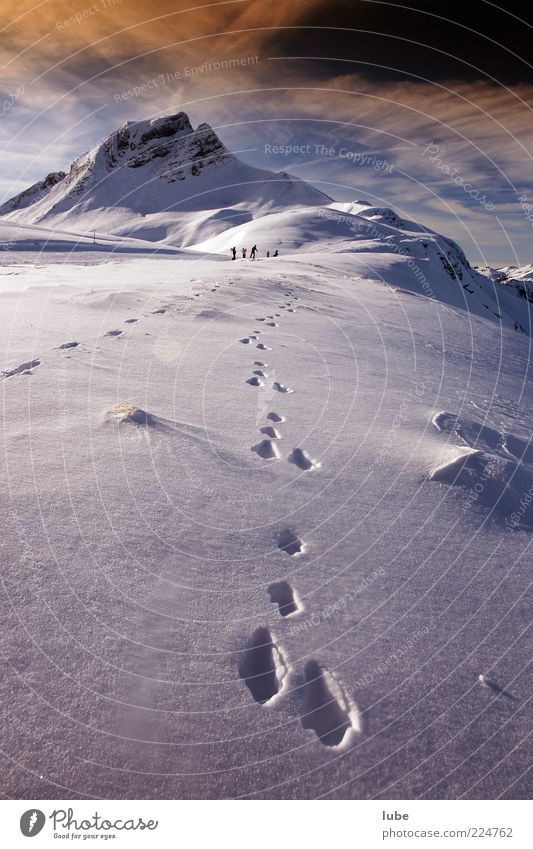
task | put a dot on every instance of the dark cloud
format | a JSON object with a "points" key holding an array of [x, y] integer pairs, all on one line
{"points": [[465, 40]]}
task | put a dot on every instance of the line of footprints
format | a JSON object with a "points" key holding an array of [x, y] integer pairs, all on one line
{"points": [[325, 707], [269, 447]]}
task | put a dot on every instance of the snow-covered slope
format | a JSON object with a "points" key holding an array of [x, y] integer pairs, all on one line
{"points": [[162, 167], [264, 526], [517, 279]]}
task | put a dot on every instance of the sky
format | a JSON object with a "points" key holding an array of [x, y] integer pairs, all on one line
{"points": [[422, 106]]}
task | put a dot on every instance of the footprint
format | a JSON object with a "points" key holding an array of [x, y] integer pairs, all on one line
{"points": [[260, 319], [290, 543], [67, 345], [254, 381], [279, 387], [267, 449], [496, 688], [271, 432], [291, 310], [260, 364], [114, 333], [275, 417], [23, 368], [131, 320], [260, 373], [283, 594], [263, 667], [245, 341], [272, 324], [326, 709], [263, 347], [160, 311], [303, 460]]}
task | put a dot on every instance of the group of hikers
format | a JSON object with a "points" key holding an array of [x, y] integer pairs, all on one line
{"points": [[253, 253]]}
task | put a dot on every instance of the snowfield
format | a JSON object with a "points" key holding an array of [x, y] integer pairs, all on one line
{"points": [[264, 526]]}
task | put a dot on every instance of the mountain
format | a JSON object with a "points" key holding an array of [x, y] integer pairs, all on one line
{"points": [[266, 526], [151, 179], [385, 247], [33, 194]]}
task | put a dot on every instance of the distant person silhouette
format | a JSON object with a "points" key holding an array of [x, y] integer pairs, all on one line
{"points": [[268, 254], [234, 253], [276, 253], [253, 252], [244, 253]]}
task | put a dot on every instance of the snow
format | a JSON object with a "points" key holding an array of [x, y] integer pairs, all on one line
{"points": [[149, 512], [266, 525], [158, 180]]}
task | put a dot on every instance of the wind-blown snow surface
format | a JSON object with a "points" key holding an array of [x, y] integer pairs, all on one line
{"points": [[278, 588]]}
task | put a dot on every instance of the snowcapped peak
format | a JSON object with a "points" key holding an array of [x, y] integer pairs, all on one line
{"points": [[154, 166]]}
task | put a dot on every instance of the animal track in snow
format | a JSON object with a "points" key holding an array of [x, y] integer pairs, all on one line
{"points": [[260, 373], [272, 324], [263, 667], [303, 460], [114, 333], [160, 311], [260, 364], [263, 347], [131, 320], [274, 417], [255, 381], [290, 543], [267, 449], [326, 708], [279, 387], [271, 432], [245, 341], [23, 368], [66, 345], [282, 593]]}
